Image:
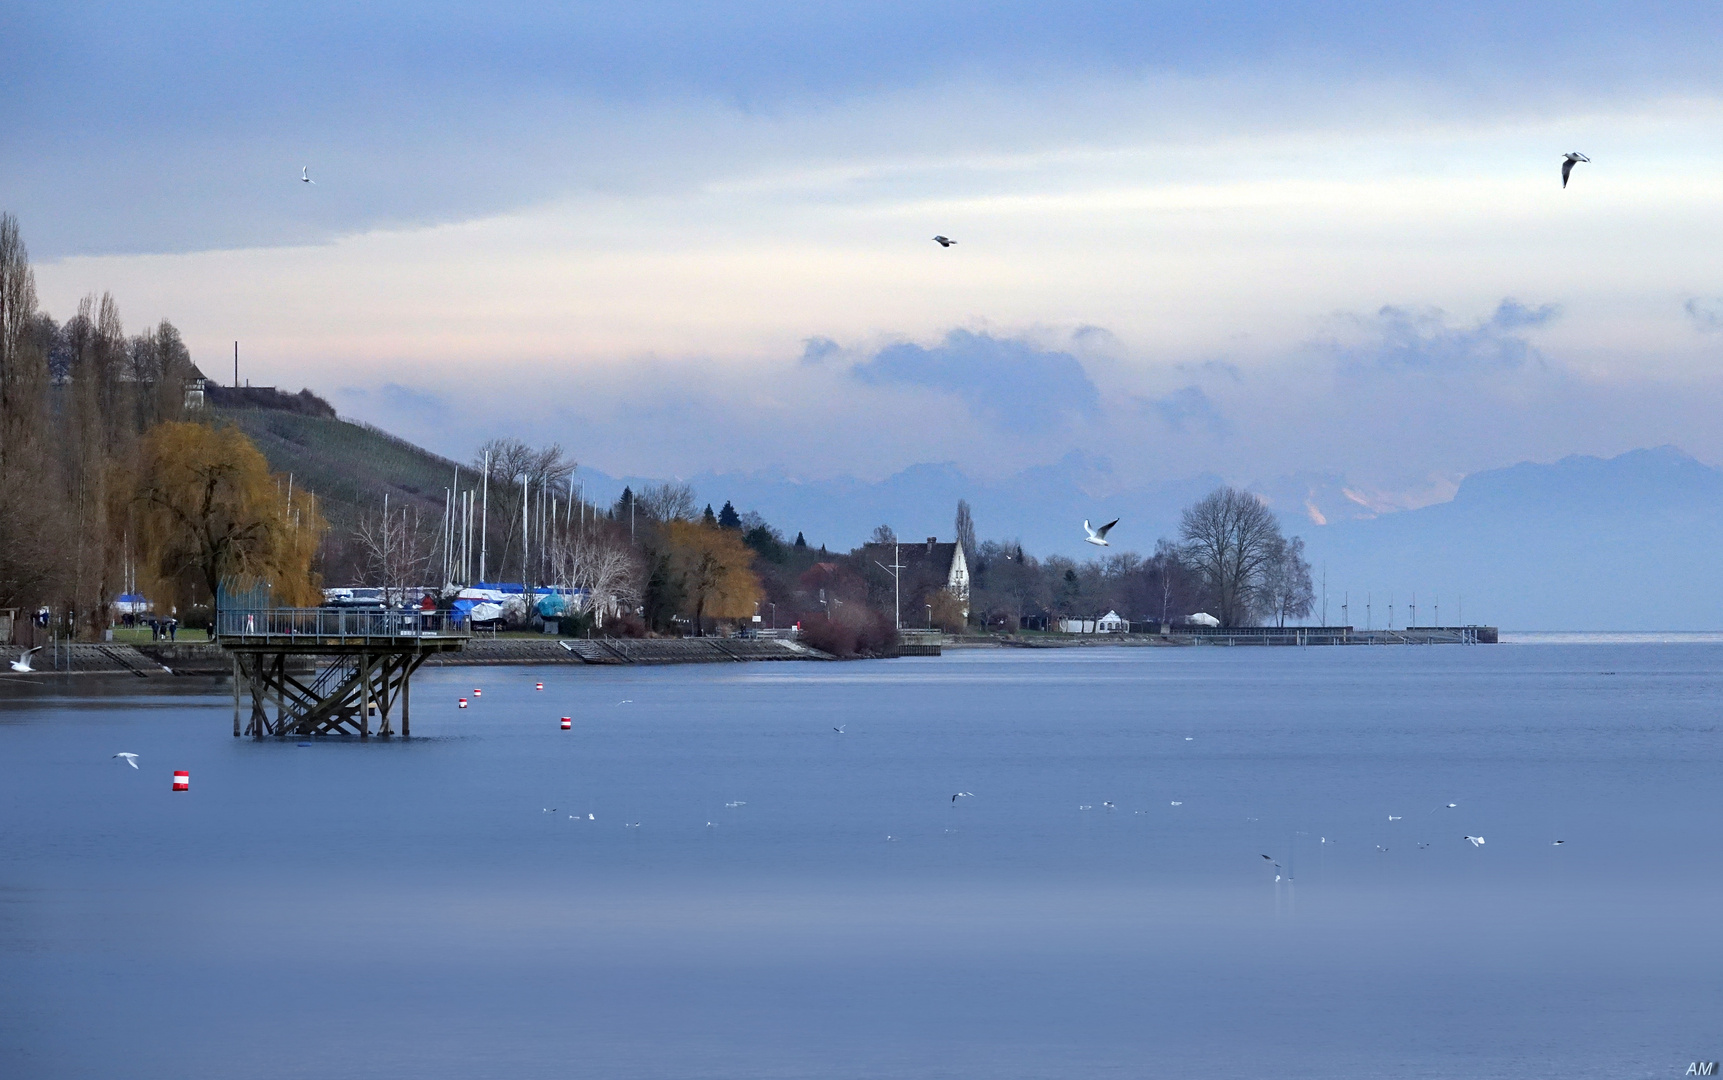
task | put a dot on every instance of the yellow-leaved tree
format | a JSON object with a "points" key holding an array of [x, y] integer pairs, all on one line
{"points": [[209, 511], [716, 569]]}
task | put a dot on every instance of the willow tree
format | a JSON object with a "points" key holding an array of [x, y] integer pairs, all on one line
{"points": [[210, 512], [715, 568]]}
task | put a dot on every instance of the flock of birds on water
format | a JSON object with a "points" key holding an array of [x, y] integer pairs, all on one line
{"points": [[1279, 870]]}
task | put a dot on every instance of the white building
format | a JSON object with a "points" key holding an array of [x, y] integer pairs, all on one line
{"points": [[1110, 623]]}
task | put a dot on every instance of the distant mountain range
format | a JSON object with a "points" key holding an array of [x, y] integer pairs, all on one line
{"points": [[1584, 543]]}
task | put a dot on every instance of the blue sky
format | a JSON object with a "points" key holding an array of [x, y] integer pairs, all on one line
{"points": [[1255, 240]]}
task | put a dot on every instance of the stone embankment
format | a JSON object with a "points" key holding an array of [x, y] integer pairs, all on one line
{"points": [[629, 651], [202, 658]]}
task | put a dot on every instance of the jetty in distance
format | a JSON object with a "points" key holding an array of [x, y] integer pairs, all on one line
{"points": [[1328, 635]]}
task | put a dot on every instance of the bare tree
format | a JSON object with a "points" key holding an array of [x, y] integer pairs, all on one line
{"points": [[397, 550], [1286, 586], [604, 567], [1231, 540], [883, 534], [518, 472], [668, 502]]}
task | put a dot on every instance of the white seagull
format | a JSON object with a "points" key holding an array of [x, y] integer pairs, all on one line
{"points": [[1567, 165], [1098, 537], [1477, 841], [23, 661], [131, 759], [305, 175], [840, 728], [1277, 867], [963, 795], [944, 241]]}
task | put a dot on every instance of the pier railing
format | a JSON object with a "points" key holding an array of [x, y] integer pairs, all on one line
{"points": [[326, 622]]}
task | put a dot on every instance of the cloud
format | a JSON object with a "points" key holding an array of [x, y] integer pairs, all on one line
{"points": [[1402, 339], [1706, 313], [1006, 380], [1187, 406], [816, 350]]}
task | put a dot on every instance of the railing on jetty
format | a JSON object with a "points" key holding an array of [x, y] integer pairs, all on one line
{"points": [[369, 658], [336, 623]]}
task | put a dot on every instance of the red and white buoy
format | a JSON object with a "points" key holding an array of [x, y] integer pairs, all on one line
{"points": [[181, 780], [477, 691], [567, 722], [540, 686], [463, 703]]}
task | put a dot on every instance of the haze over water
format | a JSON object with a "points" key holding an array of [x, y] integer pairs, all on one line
{"points": [[410, 909]]}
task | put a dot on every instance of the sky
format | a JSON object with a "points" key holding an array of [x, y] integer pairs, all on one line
{"points": [[1250, 240]]}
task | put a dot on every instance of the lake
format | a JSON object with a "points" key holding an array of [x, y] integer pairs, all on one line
{"points": [[704, 879]]}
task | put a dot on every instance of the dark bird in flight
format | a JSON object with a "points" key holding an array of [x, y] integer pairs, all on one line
{"points": [[944, 241], [1567, 166]]}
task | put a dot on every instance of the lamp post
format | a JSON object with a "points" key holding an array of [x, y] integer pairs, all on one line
{"points": [[929, 616]]}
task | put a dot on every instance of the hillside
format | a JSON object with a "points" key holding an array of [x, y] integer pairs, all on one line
{"points": [[350, 467]]}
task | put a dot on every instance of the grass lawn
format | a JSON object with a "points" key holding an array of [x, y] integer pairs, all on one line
{"points": [[140, 635]]}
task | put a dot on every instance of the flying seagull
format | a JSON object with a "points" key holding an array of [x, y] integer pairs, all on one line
{"points": [[305, 175], [1557, 843], [1444, 806], [1277, 867], [944, 241], [1477, 841], [23, 662], [1098, 537], [131, 759], [963, 795], [1567, 165], [840, 728]]}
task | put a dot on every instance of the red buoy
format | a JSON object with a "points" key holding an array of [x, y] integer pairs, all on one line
{"points": [[567, 722], [540, 686], [463, 703], [181, 780]]}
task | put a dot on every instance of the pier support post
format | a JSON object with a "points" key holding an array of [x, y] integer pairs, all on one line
{"points": [[236, 695]]}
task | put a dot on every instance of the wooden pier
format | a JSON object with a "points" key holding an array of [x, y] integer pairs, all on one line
{"points": [[367, 657]]}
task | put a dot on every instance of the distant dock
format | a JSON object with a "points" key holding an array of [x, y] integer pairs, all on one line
{"points": [[1330, 635]]}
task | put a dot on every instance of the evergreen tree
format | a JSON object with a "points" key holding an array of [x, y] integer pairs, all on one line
{"points": [[708, 518], [727, 517], [800, 541]]}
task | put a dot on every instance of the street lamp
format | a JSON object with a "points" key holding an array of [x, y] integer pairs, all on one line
{"points": [[929, 616]]}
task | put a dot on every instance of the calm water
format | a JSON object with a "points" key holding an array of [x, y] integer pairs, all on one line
{"points": [[413, 910]]}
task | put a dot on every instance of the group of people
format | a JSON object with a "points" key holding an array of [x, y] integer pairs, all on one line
{"points": [[160, 628]]}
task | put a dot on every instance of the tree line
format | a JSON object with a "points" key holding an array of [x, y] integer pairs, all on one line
{"points": [[106, 488]]}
